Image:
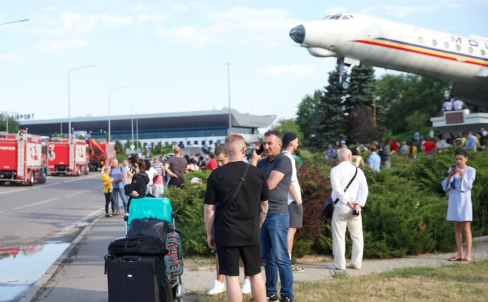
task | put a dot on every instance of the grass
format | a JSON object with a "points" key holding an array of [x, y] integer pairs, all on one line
{"points": [[457, 282]]}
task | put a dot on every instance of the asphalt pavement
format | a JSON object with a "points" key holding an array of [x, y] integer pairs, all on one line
{"points": [[50, 211]]}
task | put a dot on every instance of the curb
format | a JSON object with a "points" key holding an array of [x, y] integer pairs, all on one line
{"points": [[51, 271], [480, 239]]}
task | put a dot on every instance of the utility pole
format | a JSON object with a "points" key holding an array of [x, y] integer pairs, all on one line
{"points": [[228, 88]]}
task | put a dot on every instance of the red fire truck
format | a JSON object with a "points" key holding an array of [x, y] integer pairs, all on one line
{"points": [[101, 153], [67, 159], [22, 158]]}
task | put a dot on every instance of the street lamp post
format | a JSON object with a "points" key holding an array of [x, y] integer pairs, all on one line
{"points": [[228, 87], [123, 87], [132, 117], [17, 21], [7, 113], [69, 99]]}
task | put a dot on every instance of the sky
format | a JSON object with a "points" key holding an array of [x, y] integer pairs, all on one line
{"points": [[173, 54]]}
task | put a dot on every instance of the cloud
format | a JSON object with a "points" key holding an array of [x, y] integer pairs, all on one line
{"points": [[335, 10], [270, 25], [13, 57], [58, 46], [367, 10], [455, 5], [403, 11], [289, 70], [180, 8], [194, 36]]}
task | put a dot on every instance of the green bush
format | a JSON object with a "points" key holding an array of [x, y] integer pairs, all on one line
{"points": [[405, 213]]}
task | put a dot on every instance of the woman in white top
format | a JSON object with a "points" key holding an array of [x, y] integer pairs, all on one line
{"points": [[458, 184], [151, 172]]}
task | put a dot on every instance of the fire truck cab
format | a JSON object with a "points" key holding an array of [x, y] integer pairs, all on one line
{"points": [[22, 158], [67, 159]]}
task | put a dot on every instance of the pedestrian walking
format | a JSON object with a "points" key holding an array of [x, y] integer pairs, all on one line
{"points": [[235, 194], [118, 174], [277, 169], [347, 211], [176, 167], [458, 184], [107, 190]]}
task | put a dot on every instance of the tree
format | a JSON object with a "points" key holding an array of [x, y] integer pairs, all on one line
{"points": [[404, 94], [359, 105], [329, 121], [290, 125], [13, 125], [119, 148], [306, 112]]}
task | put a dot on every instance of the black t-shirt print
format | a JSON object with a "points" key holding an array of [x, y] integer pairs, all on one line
{"points": [[236, 221]]}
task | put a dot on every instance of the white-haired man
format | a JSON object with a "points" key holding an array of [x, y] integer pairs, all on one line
{"points": [[347, 210], [236, 193]]}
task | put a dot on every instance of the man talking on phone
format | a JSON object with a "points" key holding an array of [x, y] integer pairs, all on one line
{"points": [[350, 190], [277, 169]]}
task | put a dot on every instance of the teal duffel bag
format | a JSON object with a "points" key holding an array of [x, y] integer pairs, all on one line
{"points": [[148, 207]]}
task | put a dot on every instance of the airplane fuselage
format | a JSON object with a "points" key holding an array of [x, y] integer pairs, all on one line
{"points": [[397, 46]]}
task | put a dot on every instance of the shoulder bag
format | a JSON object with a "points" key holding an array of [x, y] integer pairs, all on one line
{"points": [[328, 207]]}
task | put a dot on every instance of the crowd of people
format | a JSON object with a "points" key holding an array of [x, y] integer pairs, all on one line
{"points": [[379, 156], [254, 208]]}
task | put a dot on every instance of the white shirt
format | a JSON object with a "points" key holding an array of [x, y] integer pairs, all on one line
{"points": [[485, 133], [294, 178], [340, 176], [458, 105], [150, 173], [442, 144], [447, 106]]}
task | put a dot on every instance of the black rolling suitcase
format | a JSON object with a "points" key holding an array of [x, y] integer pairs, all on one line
{"points": [[138, 278]]}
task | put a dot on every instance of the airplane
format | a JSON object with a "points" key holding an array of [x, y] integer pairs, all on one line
{"points": [[358, 39]]}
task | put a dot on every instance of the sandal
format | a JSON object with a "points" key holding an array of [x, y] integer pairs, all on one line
{"points": [[465, 260], [455, 258]]}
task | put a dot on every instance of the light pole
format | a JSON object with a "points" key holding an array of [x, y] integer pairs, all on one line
{"points": [[132, 117], [110, 91], [228, 86], [69, 97], [6, 112], [11, 22]]}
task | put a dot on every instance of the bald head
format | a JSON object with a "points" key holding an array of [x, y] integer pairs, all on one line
{"points": [[115, 163], [345, 155], [177, 150]]}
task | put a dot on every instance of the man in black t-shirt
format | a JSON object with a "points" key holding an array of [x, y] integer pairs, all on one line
{"points": [[233, 223]]}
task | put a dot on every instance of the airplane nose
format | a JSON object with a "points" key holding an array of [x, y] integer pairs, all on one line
{"points": [[298, 34]]}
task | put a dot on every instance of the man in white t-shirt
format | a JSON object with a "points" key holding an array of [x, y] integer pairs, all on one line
{"points": [[458, 105], [290, 145], [484, 132], [447, 106]]}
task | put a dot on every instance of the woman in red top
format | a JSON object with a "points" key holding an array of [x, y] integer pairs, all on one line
{"points": [[428, 147]]}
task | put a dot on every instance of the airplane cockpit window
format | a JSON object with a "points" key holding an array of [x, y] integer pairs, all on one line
{"points": [[336, 17], [345, 17], [327, 17]]}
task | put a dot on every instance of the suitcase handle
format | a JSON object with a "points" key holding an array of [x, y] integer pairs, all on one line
{"points": [[130, 259]]}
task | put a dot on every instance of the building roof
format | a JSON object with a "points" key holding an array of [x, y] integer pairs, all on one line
{"points": [[183, 120]]}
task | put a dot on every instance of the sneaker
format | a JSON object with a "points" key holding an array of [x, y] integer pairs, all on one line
{"points": [[295, 268], [217, 288], [246, 287], [286, 299], [270, 298]]}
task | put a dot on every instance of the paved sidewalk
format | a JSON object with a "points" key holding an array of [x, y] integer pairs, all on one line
{"points": [[81, 277]]}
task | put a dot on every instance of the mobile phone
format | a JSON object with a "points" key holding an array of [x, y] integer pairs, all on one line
{"points": [[261, 150], [355, 213], [453, 167]]}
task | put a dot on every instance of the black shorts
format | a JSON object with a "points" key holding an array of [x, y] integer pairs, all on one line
{"points": [[296, 215], [229, 259], [177, 182]]}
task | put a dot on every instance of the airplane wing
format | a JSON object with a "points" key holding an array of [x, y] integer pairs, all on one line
{"points": [[475, 94]]}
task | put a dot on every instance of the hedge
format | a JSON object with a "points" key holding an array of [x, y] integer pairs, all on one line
{"points": [[405, 213]]}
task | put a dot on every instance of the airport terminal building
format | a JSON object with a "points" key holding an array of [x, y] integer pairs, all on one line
{"points": [[197, 128]]}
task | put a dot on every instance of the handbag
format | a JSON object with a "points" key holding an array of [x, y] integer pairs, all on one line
{"points": [[328, 207]]}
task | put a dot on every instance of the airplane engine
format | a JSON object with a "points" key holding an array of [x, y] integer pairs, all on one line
{"points": [[321, 52]]}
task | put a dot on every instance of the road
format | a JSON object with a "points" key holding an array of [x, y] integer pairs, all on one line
{"points": [[43, 212]]}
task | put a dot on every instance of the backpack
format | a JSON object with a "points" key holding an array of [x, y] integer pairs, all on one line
{"points": [[382, 155]]}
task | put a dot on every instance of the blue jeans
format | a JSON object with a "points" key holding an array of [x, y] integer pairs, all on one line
{"points": [[274, 251], [117, 192]]}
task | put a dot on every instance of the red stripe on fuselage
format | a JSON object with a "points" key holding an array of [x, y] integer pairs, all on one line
{"points": [[420, 52]]}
